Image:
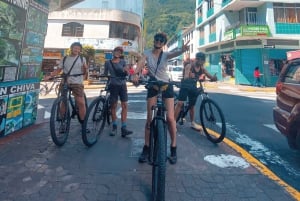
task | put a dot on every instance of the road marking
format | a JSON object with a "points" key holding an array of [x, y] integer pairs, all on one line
{"points": [[272, 126], [47, 115], [225, 161]]}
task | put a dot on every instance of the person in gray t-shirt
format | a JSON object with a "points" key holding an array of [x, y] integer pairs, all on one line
{"points": [[118, 71], [159, 72]]}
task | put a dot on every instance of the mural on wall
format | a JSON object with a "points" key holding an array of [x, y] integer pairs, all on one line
{"points": [[18, 106], [33, 43], [12, 22]]}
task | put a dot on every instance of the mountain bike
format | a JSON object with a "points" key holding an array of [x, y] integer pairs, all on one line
{"points": [[64, 108], [98, 114], [46, 89], [211, 116], [158, 140]]}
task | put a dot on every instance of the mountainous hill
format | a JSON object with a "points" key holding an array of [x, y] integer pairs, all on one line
{"points": [[168, 16]]}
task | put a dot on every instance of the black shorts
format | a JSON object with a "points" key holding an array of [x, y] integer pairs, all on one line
{"points": [[117, 91], [168, 93], [191, 93]]}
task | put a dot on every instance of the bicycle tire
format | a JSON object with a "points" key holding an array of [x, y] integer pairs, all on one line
{"points": [[159, 161], [108, 112], [212, 121], [43, 89], [94, 121], [60, 123]]}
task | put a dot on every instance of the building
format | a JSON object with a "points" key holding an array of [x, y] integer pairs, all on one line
{"points": [[22, 33], [99, 23], [238, 35]]}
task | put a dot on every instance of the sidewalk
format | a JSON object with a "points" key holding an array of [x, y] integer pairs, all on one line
{"points": [[33, 168]]}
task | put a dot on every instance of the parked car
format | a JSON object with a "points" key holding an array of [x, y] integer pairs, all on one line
{"points": [[286, 113], [175, 73]]}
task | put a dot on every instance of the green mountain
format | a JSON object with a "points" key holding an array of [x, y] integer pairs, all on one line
{"points": [[168, 16]]}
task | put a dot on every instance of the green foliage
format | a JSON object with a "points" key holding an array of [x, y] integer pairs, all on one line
{"points": [[168, 16]]}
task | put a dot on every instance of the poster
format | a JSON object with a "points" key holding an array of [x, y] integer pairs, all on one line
{"points": [[12, 22], [30, 110], [3, 106]]}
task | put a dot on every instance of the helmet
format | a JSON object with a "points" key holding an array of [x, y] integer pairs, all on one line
{"points": [[119, 48], [161, 36], [76, 44], [200, 55]]}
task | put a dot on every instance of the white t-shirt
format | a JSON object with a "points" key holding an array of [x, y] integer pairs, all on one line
{"points": [[77, 69]]}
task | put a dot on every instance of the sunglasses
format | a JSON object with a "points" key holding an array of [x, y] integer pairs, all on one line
{"points": [[160, 39]]}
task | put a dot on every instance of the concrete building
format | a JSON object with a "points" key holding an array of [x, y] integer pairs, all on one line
{"points": [[99, 23], [23, 26], [238, 35]]}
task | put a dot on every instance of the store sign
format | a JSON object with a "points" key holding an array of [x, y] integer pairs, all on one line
{"points": [[52, 54], [18, 88], [254, 30], [229, 35]]}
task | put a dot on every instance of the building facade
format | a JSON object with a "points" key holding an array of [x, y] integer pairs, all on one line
{"points": [[238, 35], [101, 24], [22, 34]]}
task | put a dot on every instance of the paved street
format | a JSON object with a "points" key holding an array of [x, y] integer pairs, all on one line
{"points": [[33, 168]]}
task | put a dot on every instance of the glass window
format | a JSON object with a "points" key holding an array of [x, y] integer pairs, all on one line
{"points": [[72, 29], [293, 74], [284, 12], [212, 27], [123, 30]]}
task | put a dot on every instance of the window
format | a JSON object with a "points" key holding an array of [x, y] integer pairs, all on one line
{"points": [[293, 74], [287, 12], [199, 11], [104, 4], [123, 30], [212, 27], [210, 4], [72, 29], [251, 15], [201, 31]]}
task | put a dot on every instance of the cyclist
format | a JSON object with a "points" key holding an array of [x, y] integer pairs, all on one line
{"points": [[118, 69], [75, 78], [191, 72], [157, 61]]}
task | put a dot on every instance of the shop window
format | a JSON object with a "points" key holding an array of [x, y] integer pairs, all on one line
{"points": [[73, 29], [275, 66]]}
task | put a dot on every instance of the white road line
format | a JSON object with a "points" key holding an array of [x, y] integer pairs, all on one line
{"points": [[272, 126]]}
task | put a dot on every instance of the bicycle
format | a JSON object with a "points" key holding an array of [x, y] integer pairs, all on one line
{"points": [[211, 116], [45, 89], [61, 113], [98, 113], [158, 140]]}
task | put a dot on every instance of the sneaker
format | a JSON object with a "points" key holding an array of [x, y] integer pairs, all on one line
{"points": [[144, 155], [173, 156], [125, 132], [196, 126], [113, 131]]}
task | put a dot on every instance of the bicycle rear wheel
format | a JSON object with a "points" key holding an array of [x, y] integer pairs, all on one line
{"points": [[108, 113], [212, 120], [60, 121], [159, 161], [94, 122]]}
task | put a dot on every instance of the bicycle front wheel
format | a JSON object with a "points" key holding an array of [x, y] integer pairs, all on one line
{"points": [[212, 120], [159, 161], [60, 121], [94, 122]]}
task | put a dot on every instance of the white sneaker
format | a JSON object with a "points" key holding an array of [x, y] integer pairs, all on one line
{"points": [[196, 126]]}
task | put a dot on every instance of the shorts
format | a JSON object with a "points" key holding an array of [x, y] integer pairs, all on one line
{"points": [[191, 93], [168, 93], [77, 90], [117, 91]]}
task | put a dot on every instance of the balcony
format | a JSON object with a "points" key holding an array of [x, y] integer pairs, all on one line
{"points": [[287, 28], [199, 20], [201, 41], [210, 12], [236, 5]]}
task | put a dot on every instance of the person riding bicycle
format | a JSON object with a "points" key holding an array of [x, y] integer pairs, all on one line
{"points": [[157, 61], [74, 65], [191, 73], [118, 69]]}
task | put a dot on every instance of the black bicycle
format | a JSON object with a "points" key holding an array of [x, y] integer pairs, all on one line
{"points": [[98, 113], [64, 108], [158, 140], [211, 116], [48, 86]]}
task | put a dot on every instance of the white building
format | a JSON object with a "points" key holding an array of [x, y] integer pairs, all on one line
{"points": [[100, 23], [238, 35]]}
